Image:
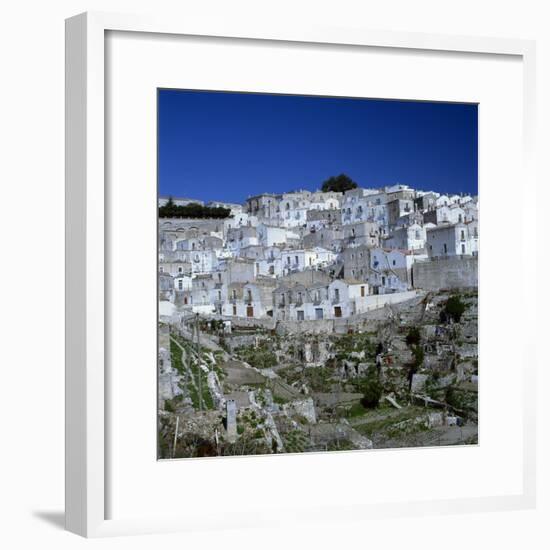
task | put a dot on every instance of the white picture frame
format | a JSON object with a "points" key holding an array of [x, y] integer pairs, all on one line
{"points": [[87, 240]]}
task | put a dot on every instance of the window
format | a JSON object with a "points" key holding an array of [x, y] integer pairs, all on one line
{"points": [[296, 260], [393, 262], [288, 260], [337, 294], [180, 284], [180, 269], [463, 248], [161, 269], [462, 234], [445, 248], [300, 315]]}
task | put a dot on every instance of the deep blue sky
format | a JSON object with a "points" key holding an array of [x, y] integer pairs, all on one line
{"points": [[227, 146]]}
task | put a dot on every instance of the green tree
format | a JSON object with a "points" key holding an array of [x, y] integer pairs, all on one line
{"points": [[372, 392], [413, 337], [192, 210], [453, 309], [338, 184]]}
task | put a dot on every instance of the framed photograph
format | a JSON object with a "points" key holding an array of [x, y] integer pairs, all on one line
{"points": [[275, 278]]}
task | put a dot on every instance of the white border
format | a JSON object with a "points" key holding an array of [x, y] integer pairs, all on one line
{"points": [[85, 398]]}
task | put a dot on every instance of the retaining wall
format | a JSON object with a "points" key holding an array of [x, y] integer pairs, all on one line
{"points": [[457, 272]]}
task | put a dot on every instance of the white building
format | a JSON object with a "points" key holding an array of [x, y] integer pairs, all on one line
{"points": [[300, 259], [412, 237], [241, 237], [445, 214], [390, 269], [448, 240], [364, 205]]}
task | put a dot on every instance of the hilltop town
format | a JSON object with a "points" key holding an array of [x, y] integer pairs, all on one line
{"points": [[312, 321]]}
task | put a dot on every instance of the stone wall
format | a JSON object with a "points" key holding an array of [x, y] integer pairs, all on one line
{"points": [[310, 327], [457, 272]]}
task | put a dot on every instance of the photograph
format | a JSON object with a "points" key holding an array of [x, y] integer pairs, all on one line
{"points": [[317, 273]]}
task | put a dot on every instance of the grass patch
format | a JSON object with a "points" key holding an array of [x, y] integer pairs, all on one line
{"points": [[195, 371]]}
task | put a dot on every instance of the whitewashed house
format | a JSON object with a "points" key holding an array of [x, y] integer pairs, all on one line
{"points": [[448, 240], [362, 233], [241, 237], [471, 211], [253, 299], [239, 219], [412, 237], [271, 264], [445, 214], [390, 269], [300, 259], [364, 205], [473, 235]]}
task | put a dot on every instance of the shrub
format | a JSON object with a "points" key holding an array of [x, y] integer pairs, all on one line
{"points": [[418, 356], [413, 337], [453, 309], [372, 393]]}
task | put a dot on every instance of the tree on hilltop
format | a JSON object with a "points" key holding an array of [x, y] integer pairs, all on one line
{"points": [[338, 184]]}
